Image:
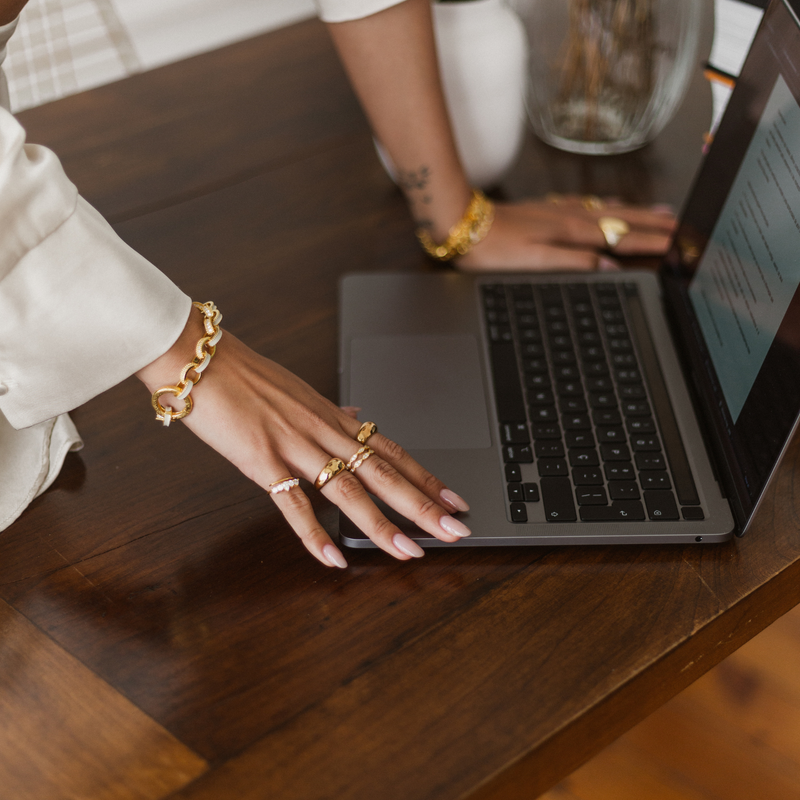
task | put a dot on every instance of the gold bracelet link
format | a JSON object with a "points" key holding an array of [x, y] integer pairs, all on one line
{"points": [[204, 352], [468, 231]]}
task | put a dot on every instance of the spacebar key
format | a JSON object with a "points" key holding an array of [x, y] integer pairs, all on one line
{"points": [[558, 503]]}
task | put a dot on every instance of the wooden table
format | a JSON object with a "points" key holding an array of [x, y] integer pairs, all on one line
{"points": [[164, 632]]}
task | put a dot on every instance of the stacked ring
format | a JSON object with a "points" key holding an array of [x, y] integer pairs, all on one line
{"points": [[283, 485], [330, 470], [613, 229], [359, 458], [365, 431]]}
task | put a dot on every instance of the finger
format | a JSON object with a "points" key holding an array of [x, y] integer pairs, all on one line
{"points": [[299, 513], [537, 256], [347, 492], [641, 218], [384, 481], [416, 474], [642, 243], [351, 411]]}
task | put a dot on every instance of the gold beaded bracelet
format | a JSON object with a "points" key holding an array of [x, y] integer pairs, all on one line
{"points": [[468, 231], [204, 352]]}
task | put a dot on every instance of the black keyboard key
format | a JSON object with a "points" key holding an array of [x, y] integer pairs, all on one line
{"points": [[517, 454], [660, 505], [636, 408], [593, 354], [514, 433], [632, 391], [615, 452], [549, 448], [547, 430], [623, 490], [544, 414], [650, 461], [552, 467], [654, 480], [579, 439], [515, 493], [620, 471], [640, 425], [576, 422], [591, 496], [531, 492], [596, 369], [535, 366], [540, 397], [610, 435], [628, 376], [583, 457], [599, 384], [513, 472], [536, 381], [643, 444], [624, 360], [572, 405], [530, 336], [693, 513], [561, 357], [570, 389], [507, 388], [557, 498], [587, 476], [567, 373], [603, 400], [518, 512], [533, 350], [619, 345], [618, 511], [499, 333], [616, 331], [607, 416]]}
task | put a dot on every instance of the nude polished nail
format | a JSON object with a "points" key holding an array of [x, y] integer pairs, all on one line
{"points": [[453, 500], [405, 545], [334, 556], [454, 526]]}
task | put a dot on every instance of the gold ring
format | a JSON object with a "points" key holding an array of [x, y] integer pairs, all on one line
{"points": [[613, 229], [331, 470], [283, 485], [591, 202], [365, 431], [554, 199], [359, 458]]}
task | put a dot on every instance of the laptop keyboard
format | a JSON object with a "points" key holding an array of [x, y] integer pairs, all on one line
{"points": [[578, 424]]}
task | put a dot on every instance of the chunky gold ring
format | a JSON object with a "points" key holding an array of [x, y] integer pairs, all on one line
{"points": [[613, 229], [331, 470], [283, 485], [365, 431], [591, 202], [359, 458]]}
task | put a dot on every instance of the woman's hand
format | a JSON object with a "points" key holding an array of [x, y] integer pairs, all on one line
{"points": [[562, 233], [272, 425]]}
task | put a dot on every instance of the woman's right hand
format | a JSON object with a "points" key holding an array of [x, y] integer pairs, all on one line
{"points": [[272, 425]]}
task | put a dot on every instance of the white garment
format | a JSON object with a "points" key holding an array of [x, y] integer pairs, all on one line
{"points": [[80, 311], [343, 10]]}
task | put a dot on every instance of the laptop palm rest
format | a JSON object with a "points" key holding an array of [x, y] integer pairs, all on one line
{"points": [[426, 390]]}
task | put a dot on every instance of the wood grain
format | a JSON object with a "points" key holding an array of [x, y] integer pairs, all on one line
{"points": [[64, 733]]}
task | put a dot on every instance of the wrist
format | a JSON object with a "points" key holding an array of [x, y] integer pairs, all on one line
{"points": [[165, 369]]}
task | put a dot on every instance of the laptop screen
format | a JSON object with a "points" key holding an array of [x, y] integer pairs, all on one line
{"points": [[734, 268]]}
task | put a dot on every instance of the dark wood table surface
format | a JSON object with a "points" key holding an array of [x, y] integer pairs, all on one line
{"points": [[164, 633]]}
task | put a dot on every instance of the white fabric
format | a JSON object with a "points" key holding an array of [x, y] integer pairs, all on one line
{"points": [[79, 312], [344, 10]]}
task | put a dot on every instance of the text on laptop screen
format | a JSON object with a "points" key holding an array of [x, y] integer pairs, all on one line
{"points": [[750, 270]]}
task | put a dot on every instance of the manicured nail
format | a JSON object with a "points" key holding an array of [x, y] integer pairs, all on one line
{"points": [[607, 265], [333, 556], [454, 526], [405, 545], [453, 500], [662, 208]]}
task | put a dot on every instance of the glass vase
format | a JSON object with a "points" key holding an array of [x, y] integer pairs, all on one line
{"points": [[607, 75]]}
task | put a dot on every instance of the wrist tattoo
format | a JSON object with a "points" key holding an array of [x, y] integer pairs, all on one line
{"points": [[415, 180]]}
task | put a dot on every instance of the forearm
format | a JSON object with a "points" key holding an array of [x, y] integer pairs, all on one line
{"points": [[9, 10], [391, 60]]}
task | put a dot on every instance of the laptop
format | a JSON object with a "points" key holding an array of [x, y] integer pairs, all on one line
{"points": [[610, 408]]}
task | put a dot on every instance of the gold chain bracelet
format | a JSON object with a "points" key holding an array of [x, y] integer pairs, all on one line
{"points": [[468, 231], [204, 352]]}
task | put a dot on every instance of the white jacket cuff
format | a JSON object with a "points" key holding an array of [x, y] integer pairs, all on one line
{"points": [[345, 10], [82, 311]]}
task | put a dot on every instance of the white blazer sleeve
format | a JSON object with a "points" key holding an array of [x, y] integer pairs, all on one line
{"points": [[344, 10]]}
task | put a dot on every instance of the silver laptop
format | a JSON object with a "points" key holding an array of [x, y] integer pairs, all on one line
{"points": [[636, 408]]}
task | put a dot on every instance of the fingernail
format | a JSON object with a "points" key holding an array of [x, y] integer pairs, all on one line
{"points": [[662, 208], [454, 526], [453, 500], [605, 264], [405, 545], [334, 556]]}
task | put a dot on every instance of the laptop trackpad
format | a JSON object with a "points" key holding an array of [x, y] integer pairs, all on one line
{"points": [[425, 392]]}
